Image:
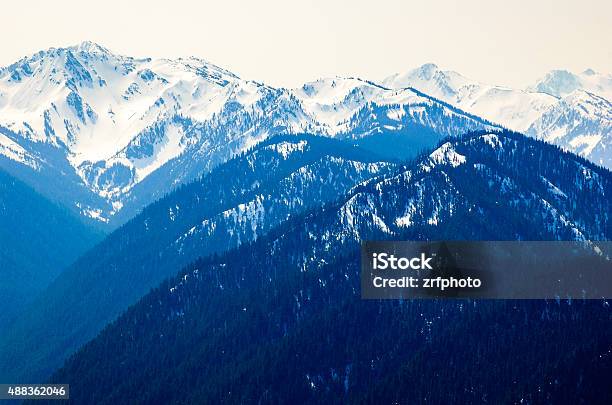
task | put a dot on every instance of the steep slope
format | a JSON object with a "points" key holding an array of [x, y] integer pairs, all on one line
{"points": [[280, 319], [120, 132], [569, 110], [38, 240], [238, 202]]}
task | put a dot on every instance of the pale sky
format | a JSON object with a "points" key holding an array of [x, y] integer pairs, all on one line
{"points": [[285, 43]]}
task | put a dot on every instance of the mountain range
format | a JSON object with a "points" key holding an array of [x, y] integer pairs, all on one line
{"points": [[115, 133], [173, 233]]}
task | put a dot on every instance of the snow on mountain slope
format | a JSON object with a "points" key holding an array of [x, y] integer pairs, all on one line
{"points": [[561, 83], [93, 101], [341, 107], [93, 104], [129, 130], [580, 122], [116, 119], [563, 108], [515, 109]]}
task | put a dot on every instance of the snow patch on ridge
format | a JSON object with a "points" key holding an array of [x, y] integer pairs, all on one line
{"points": [[492, 140], [444, 155], [286, 148]]}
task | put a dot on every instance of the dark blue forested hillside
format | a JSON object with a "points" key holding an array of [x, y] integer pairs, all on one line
{"points": [[280, 319], [232, 332], [514, 187], [38, 238], [238, 202]]}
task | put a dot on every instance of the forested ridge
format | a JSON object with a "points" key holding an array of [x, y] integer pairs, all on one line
{"points": [[281, 320]]}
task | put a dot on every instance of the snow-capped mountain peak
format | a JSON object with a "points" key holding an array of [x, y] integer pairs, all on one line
{"points": [[557, 83], [569, 109], [514, 109], [91, 100], [560, 83], [90, 47], [332, 101], [116, 119], [580, 122], [430, 79]]}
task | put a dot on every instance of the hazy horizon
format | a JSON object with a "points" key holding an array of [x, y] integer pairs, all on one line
{"points": [[286, 45]]}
